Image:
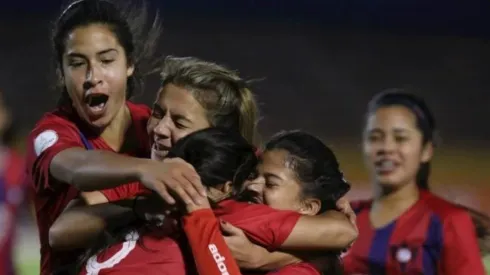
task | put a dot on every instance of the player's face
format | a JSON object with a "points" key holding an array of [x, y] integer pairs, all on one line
{"points": [[276, 185], [95, 73], [393, 146], [176, 113]]}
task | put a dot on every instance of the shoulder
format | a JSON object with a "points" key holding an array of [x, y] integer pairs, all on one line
{"points": [[141, 111], [56, 121], [451, 215], [231, 205], [52, 128], [442, 207], [244, 212]]}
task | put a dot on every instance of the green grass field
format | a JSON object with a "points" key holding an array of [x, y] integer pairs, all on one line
{"points": [[31, 267]]}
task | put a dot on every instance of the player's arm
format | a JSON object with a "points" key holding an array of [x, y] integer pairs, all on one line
{"points": [[286, 230], [460, 253], [59, 154], [56, 151], [211, 254], [90, 170], [329, 231], [66, 232]]}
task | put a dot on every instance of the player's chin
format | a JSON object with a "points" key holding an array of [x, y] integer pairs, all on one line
{"points": [[392, 181], [101, 122]]}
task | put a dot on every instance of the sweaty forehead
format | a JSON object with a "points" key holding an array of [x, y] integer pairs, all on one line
{"points": [[91, 39]]}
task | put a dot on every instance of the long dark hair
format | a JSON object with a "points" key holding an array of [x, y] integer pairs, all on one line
{"points": [[427, 126], [128, 20], [318, 171], [218, 155]]}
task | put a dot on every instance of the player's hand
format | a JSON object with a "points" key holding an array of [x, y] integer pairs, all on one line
{"points": [[172, 176], [204, 204], [343, 205], [246, 254]]}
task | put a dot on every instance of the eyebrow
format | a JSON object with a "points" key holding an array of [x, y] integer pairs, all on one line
{"points": [[180, 117], [174, 117], [396, 130], [75, 54], [157, 107], [271, 175]]}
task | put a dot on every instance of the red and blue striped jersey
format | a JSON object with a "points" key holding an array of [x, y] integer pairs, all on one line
{"points": [[434, 236], [11, 196]]}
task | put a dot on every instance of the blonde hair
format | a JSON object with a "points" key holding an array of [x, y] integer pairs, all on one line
{"points": [[225, 96]]}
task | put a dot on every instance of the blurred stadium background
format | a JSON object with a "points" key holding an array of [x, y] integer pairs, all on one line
{"points": [[321, 61]]}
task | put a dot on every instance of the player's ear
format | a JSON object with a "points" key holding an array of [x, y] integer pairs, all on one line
{"points": [[228, 187], [310, 206]]}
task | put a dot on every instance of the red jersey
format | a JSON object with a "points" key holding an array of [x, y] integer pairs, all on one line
{"points": [[211, 254], [432, 237], [55, 132], [12, 191], [262, 224], [126, 191]]}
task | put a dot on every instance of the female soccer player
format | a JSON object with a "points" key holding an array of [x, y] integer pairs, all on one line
{"points": [[222, 157], [12, 191], [405, 229], [99, 50], [195, 94], [305, 178]]}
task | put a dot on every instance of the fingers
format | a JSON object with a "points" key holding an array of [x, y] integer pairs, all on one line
{"points": [[230, 229], [162, 191], [190, 174], [186, 183]]}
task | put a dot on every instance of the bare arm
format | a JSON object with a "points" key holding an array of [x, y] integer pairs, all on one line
{"points": [[90, 170], [337, 233], [329, 231], [79, 225], [97, 170]]}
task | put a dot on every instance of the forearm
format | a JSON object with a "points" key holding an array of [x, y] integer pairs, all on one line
{"points": [[90, 170], [329, 231], [79, 225], [267, 261]]}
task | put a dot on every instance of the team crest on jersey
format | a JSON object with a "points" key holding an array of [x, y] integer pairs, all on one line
{"points": [[404, 255], [45, 140]]}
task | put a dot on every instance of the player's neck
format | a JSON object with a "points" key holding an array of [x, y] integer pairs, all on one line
{"points": [[389, 206], [115, 132], [402, 197]]}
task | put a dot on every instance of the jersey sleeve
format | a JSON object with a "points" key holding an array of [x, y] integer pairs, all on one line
{"points": [[125, 191], [265, 226], [461, 254], [211, 254], [43, 144]]}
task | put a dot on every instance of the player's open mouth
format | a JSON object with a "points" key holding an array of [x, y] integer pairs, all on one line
{"points": [[96, 103], [386, 166], [160, 150]]}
